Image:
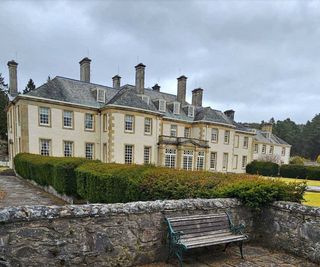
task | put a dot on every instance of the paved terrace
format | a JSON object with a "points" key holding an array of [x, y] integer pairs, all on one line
{"points": [[254, 256]]}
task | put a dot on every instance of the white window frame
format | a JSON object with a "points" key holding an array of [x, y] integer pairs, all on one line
{"points": [[176, 108], [190, 111], [145, 99], [213, 160], [200, 160], [264, 149], [128, 154], [235, 162], [226, 138], [244, 162], [89, 151], [245, 142], [89, 120], [148, 126], [256, 148], [271, 150], [45, 147], [225, 162], [170, 158], [283, 151], [162, 105], [101, 96], [173, 130], [187, 162], [187, 132], [68, 119], [128, 123], [236, 141], [147, 155], [44, 116], [214, 135], [68, 148]]}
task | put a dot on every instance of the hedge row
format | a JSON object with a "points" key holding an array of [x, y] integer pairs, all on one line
{"points": [[111, 183], [54, 171], [285, 170]]}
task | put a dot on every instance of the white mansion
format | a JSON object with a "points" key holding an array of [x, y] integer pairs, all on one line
{"points": [[132, 124]]}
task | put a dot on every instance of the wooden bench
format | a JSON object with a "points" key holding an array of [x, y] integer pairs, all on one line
{"points": [[195, 231]]}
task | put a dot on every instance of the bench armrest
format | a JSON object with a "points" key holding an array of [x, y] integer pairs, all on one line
{"points": [[175, 237], [237, 229]]}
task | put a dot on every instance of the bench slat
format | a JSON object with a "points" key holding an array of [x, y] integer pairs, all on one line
{"points": [[213, 225], [194, 217], [210, 242], [174, 224], [203, 229], [216, 235], [205, 233]]}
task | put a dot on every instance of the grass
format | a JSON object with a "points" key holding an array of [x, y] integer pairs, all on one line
{"points": [[312, 199], [292, 180]]}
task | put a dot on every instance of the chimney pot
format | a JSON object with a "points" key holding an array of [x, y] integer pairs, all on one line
{"points": [[116, 81], [267, 127], [230, 114], [197, 97], [85, 69], [140, 73], [13, 80], [182, 87], [156, 87]]}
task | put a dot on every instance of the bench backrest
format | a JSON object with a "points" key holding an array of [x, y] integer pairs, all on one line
{"points": [[200, 224]]}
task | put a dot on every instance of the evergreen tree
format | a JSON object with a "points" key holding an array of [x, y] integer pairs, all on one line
{"points": [[30, 86], [311, 138], [3, 104]]}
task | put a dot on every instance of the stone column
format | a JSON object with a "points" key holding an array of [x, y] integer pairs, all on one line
{"points": [[85, 69], [140, 78], [13, 80]]}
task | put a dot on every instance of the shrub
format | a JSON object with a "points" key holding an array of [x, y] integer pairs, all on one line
{"points": [[297, 160], [318, 159], [263, 168], [313, 173], [54, 171], [293, 171]]}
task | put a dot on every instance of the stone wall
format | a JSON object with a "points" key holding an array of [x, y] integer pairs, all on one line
{"points": [[98, 234], [291, 227]]}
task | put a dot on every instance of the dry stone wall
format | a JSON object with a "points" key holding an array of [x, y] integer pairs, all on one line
{"points": [[98, 234], [291, 227]]}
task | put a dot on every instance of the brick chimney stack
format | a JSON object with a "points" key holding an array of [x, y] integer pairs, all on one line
{"points": [[230, 114], [116, 81], [140, 78], [85, 69], [182, 87], [197, 97], [267, 127], [156, 87], [13, 80]]}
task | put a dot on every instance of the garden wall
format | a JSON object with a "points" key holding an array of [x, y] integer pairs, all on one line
{"points": [[98, 234], [292, 227]]}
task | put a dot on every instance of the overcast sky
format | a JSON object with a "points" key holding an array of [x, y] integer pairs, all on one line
{"points": [[261, 59]]}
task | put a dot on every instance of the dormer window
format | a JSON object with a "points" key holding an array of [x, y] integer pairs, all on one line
{"points": [[162, 105], [145, 98], [190, 111], [176, 108], [101, 96]]}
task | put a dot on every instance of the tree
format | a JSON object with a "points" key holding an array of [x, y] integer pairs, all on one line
{"points": [[30, 86], [3, 104], [311, 138]]}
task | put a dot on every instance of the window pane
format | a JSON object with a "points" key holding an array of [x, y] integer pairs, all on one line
{"points": [[89, 150], [45, 147], [128, 154], [245, 142], [68, 149], [213, 160], [226, 137], [128, 124], [147, 125], [214, 135], [170, 158], [244, 161], [187, 131], [173, 130], [89, 121], [187, 159], [225, 161], [44, 115], [200, 161], [147, 155], [67, 119]]}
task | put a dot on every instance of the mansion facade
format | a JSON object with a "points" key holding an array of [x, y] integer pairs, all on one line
{"points": [[131, 124]]}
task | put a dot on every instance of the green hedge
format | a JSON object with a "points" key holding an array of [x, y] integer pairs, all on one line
{"points": [[54, 171], [110, 183], [300, 172], [264, 168]]}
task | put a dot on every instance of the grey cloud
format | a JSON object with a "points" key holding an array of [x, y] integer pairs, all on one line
{"points": [[257, 57]]}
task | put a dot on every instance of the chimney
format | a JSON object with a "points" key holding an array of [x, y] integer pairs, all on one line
{"points": [[182, 87], [140, 78], [13, 81], [116, 81], [85, 69], [156, 87], [230, 114], [197, 97], [267, 127]]}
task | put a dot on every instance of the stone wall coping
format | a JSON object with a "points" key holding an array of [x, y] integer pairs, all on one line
{"points": [[297, 208], [41, 212]]}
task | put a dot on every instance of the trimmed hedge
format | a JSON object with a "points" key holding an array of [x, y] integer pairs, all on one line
{"points": [[111, 183], [264, 168], [300, 172], [54, 171]]}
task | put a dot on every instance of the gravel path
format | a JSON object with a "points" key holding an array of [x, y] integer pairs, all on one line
{"points": [[20, 192]]}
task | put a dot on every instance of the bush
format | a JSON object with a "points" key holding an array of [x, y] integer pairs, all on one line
{"points": [[264, 168], [318, 159], [293, 171], [297, 160], [313, 173], [56, 172]]}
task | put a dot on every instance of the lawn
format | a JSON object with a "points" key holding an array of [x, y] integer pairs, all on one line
{"points": [[311, 198]]}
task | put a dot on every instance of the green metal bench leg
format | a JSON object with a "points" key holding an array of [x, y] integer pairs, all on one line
{"points": [[225, 247], [240, 246], [179, 256]]}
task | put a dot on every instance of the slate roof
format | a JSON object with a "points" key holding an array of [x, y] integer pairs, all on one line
{"points": [[270, 138], [84, 93]]}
